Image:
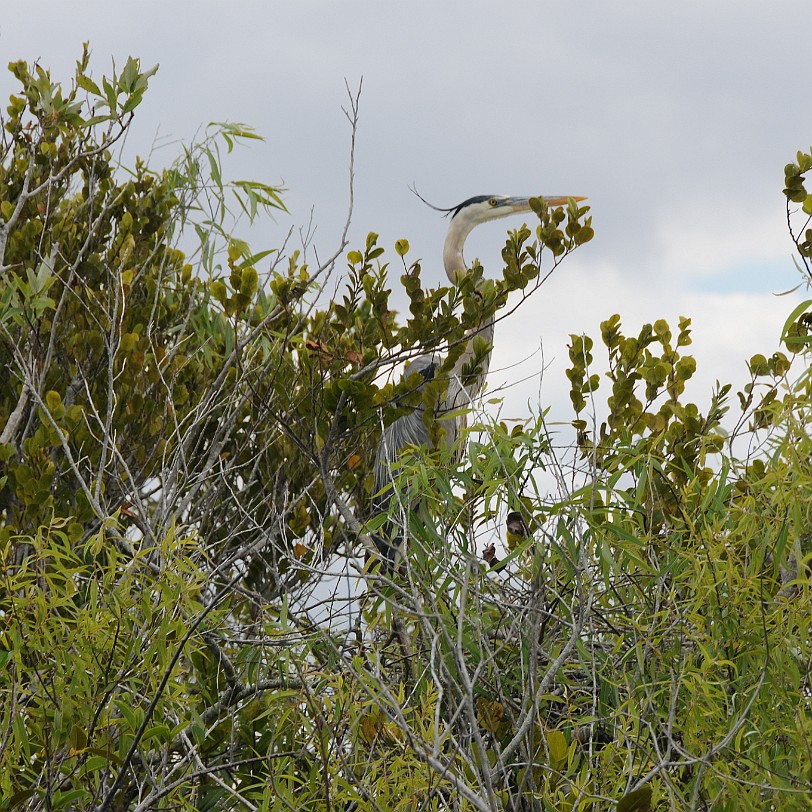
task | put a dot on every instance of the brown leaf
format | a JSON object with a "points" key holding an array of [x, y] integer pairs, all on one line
{"points": [[489, 714], [370, 728], [489, 555], [320, 349]]}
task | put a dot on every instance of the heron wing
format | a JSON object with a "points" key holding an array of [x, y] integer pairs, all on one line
{"points": [[407, 430]]}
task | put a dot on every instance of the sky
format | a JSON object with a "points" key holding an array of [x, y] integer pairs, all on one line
{"points": [[675, 120]]}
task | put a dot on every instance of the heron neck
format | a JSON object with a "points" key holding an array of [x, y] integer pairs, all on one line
{"points": [[453, 260], [469, 386], [454, 263]]}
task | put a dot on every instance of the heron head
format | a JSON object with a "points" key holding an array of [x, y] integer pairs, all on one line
{"points": [[483, 208], [476, 210]]}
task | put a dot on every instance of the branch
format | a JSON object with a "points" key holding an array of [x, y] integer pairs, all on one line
{"points": [[13, 422]]}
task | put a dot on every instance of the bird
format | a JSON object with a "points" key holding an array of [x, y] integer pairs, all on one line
{"points": [[410, 429]]}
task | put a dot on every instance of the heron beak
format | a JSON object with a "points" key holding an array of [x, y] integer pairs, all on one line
{"points": [[559, 200], [517, 204]]}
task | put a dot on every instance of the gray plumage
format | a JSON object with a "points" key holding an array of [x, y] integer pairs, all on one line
{"points": [[409, 429]]}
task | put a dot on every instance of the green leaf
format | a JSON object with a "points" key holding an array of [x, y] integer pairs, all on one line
{"points": [[109, 94], [214, 168], [559, 750], [787, 336], [638, 800], [53, 400], [86, 83], [132, 102], [78, 738], [129, 714], [64, 800]]}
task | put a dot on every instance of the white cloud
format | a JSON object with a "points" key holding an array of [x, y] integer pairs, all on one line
{"points": [[702, 239], [727, 330]]}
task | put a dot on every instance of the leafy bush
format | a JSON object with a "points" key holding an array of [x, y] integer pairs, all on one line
{"points": [[186, 446]]}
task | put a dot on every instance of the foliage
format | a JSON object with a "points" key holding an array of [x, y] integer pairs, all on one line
{"points": [[186, 440]]}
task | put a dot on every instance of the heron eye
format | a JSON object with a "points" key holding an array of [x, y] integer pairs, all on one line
{"points": [[493, 201]]}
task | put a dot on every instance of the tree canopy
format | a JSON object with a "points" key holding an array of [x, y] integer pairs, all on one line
{"points": [[187, 427]]}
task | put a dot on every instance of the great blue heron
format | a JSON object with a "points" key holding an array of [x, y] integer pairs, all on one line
{"points": [[410, 430]]}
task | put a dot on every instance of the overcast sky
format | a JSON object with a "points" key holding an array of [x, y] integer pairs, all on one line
{"points": [[675, 119]]}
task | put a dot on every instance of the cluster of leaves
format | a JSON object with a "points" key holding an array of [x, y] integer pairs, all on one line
{"points": [[795, 192], [185, 441], [654, 422], [647, 637], [150, 389], [77, 302]]}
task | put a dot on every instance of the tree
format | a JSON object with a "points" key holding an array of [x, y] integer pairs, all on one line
{"points": [[186, 437]]}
